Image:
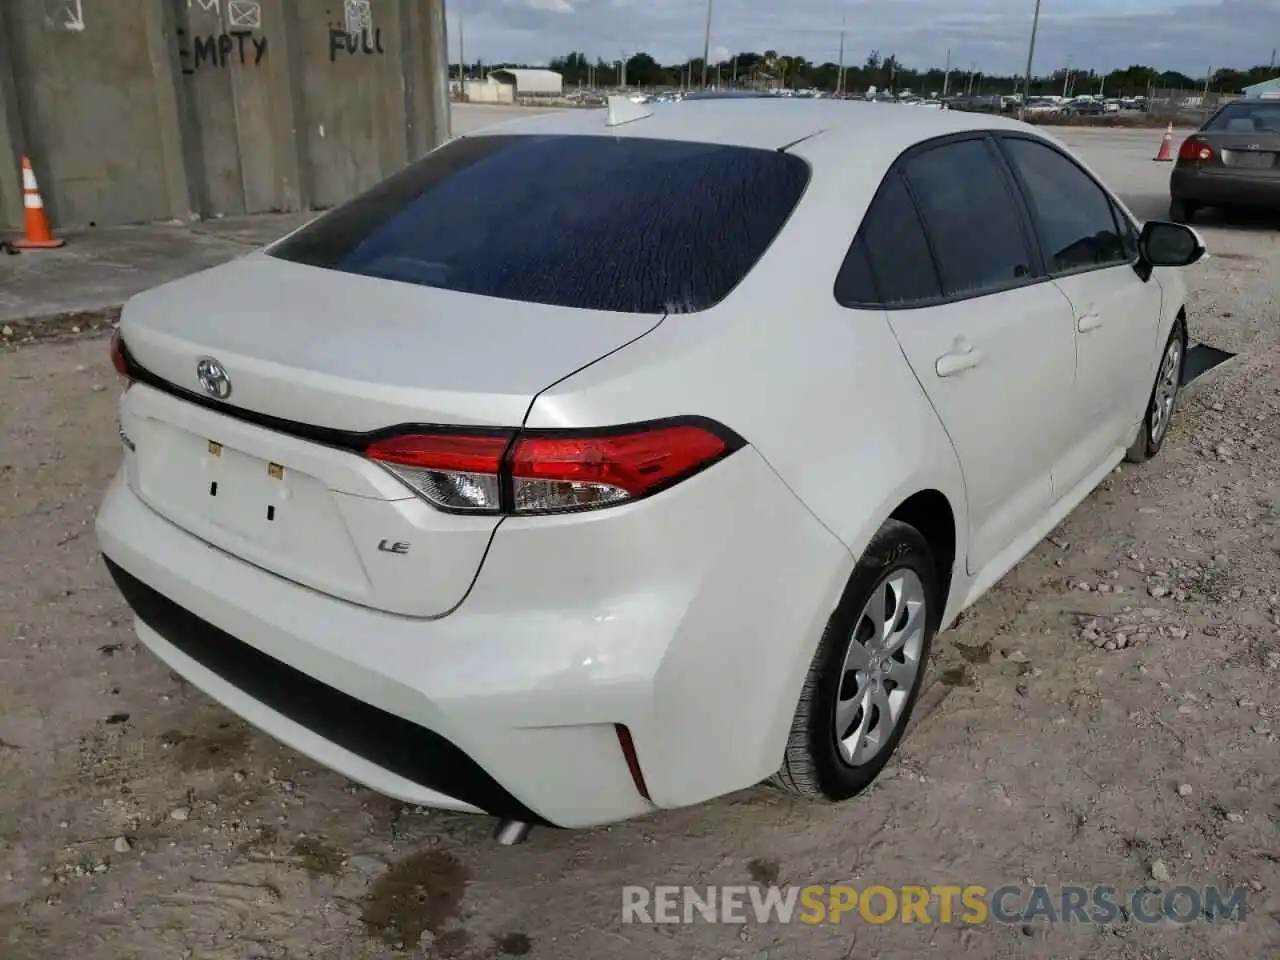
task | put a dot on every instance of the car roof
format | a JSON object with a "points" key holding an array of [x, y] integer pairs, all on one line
{"points": [[767, 122]]}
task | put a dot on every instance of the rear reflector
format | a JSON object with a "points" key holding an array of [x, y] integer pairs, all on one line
{"points": [[633, 760], [551, 471]]}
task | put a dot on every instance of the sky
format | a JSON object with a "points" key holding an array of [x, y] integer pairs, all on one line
{"points": [[1184, 35]]}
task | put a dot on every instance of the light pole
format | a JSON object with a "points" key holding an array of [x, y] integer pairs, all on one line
{"points": [[462, 60], [840, 70], [706, 43], [1031, 54]]}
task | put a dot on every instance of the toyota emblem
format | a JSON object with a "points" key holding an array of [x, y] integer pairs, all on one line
{"points": [[213, 377]]}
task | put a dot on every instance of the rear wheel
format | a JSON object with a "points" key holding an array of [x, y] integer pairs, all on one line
{"points": [[1163, 400], [866, 676], [1181, 211]]}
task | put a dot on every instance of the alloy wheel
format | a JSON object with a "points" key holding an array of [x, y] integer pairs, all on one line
{"points": [[880, 667], [1166, 390]]}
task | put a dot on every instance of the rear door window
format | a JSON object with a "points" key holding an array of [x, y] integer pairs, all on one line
{"points": [[621, 224], [972, 218]]}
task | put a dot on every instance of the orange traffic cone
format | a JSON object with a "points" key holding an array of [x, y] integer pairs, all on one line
{"points": [[39, 236], [1166, 146]]}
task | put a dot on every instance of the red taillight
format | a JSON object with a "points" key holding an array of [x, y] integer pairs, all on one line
{"points": [[1193, 149], [549, 471], [117, 358], [452, 471], [553, 473], [117, 353], [452, 453]]}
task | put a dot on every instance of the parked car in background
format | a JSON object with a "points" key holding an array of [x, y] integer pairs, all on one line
{"points": [[1083, 108], [1232, 161], [574, 526], [1040, 106]]}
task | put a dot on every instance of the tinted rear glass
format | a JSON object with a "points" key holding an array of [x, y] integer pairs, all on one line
{"points": [[601, 223], [1259, 116]]}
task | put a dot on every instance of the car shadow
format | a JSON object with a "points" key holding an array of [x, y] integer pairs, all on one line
{"points": [[1201, 358], [1258, 221]]}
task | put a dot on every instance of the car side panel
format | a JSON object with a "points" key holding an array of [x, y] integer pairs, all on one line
{"points": [[1111, 365], [1010, 416]]}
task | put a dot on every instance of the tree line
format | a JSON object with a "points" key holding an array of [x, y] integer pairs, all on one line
{"points": [[771, 70]]}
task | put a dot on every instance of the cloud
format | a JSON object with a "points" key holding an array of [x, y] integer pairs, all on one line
{"points": [[1191, 36], [551, 6]]}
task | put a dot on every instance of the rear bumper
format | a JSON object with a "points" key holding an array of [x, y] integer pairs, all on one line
{"points": [[689, 617], [1234, 188], [314, 712]]}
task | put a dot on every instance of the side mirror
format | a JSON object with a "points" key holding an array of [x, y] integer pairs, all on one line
{"points": [[1166, 244]]}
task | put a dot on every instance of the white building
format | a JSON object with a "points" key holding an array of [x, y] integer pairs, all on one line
{"points": [[530, 82], [488, 90]]}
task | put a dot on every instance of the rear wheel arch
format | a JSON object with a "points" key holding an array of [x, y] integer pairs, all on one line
{"points": [[815, 764], [930, 512]]}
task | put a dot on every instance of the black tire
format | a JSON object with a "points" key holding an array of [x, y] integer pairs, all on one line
{"points": [[813, 766], [1147, 444], [1182, 211]]}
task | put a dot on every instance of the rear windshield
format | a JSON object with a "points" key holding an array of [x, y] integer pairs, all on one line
{"points": [[601, 223], [1259, 116]]}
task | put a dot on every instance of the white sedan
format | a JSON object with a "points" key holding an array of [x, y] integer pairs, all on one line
{"points": [[611, 461]]}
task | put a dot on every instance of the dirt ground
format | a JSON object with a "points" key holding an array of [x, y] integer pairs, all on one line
{"points": [[140, 820]]}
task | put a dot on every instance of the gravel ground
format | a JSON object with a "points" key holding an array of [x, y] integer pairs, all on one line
{"points": [[1108, 714]]}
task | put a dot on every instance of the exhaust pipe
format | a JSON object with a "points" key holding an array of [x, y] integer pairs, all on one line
{"points": [[512, 832]]}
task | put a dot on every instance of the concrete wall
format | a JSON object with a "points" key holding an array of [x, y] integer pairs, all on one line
{"points": [[136, 110]]}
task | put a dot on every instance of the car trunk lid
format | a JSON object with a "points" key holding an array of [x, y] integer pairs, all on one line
{"points": [[319, 363], [1245, 151], [357, 353]]}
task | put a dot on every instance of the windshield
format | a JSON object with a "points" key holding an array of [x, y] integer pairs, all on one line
{"points": [[621, 224]]}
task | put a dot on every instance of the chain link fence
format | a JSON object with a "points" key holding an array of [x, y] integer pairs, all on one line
{"points": [[1184, 108]]}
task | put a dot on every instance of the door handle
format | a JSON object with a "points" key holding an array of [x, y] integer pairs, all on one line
{"points": [[1091, 320], [962, 356]]}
